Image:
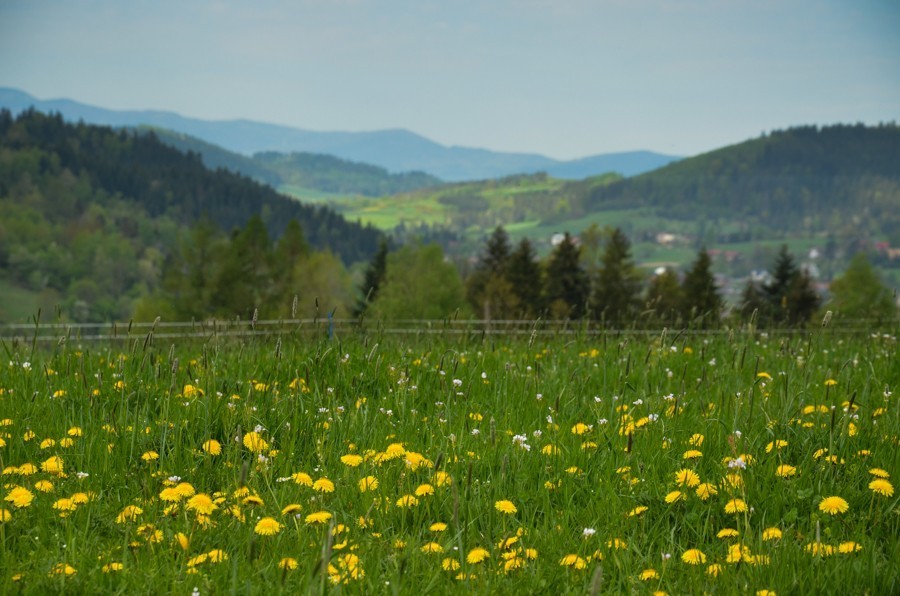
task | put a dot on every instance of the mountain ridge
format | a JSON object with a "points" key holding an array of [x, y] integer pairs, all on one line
{"points": [[396, 149]]}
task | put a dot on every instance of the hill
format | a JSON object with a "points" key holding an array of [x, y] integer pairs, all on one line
{"points": [[89, 215], [395, 150]]}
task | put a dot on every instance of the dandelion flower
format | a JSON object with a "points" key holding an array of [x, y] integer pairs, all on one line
{"points": [[182, 540], [53, 465], [432, 547], [111, 567], [130, 513], [477, 555], [45, 486], [687, 478], [368, 483], [5, 516], [287, 563], [728, 533], [407, 501], [771, 534], [150, 456], [879, 473], [217, 555], [573, 561], [319, 517], [291, 509], [267, 526], [675, 496], [449, 564], [202, 504], [255, 443], [833, 505], [648, 575], [424, 490], [714, 570], [437, 527], [302, 478], [323, 485], [505, 506], [849, 547], [693, 556], [785, 471], [637, 510], [212, 447], [735, 506], [882, 487], [581, 428], [692, 454], [63, 569], [706, 490], [352, 460]]}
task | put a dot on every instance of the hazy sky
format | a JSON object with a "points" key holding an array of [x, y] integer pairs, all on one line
{"points": [[565, 78]]}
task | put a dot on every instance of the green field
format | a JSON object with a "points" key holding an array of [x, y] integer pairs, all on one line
{"points": [[371, 463]]}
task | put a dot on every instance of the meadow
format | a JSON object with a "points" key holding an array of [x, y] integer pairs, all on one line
{"points": [[679, 463]]}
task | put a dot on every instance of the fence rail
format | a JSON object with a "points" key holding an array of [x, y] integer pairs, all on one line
{"points": [[214, 328]]}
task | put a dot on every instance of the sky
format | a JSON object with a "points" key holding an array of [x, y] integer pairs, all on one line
{"points": [[563, 78]]}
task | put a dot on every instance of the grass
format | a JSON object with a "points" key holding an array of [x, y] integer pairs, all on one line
{"points": [[576, 432]]}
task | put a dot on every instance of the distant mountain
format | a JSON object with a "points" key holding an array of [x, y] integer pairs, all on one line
{"points": [[395, 150]]}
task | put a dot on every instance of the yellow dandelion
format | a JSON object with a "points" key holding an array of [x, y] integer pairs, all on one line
{"points": [[728, 533], [714, 570], [581, 428], [771, 534], [323, 485], [212, 447], [368, 483], [111, 567], [692, 454], [477, 555], [255, 443], [432, 547], [735, 506], [878, 472], [424, 490], [130, 513], [202, 504], [352, 460], [648, 575], [45, 486], [449, 564], [785, 471], [5, 516], [693, 556], [182, 540], [287, 563], [675, 496], [217, 555], [505, 506], [63, 569], [150, 456], [291, 509], [833, 505], [882, 487], [319, 517], [685, 477], [407, 501], [302, 478], [706, 490], [830, 382], [849, 547], [637, 511], [267, 526], [53, 465], [573, 561], [438, 527]]}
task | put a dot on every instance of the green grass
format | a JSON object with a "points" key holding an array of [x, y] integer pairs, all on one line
{"points": [[456, 405]]}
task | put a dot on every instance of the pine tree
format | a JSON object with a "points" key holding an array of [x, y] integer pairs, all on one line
{"points": [[665, 296], [790, 294], [701, 299], [566, 285], [617, 287], [488, 290], [372, 280], [524, 273]]}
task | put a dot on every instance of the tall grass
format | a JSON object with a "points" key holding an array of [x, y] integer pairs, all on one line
{"points": [[576, 431]]}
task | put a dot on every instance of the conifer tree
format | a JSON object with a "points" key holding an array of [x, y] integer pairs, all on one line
{"points": [[665, 296], [617, 287], [790, 294], [566, 286], [524, 274], [372, 279], [701, 297], [488, 290]]}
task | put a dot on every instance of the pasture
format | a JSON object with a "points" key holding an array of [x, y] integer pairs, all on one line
{"points": [[439, 462]]}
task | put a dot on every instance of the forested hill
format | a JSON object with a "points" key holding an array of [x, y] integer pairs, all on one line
{"points": [[807, 178], [314, 171], [90, 217], [161, 180]]}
